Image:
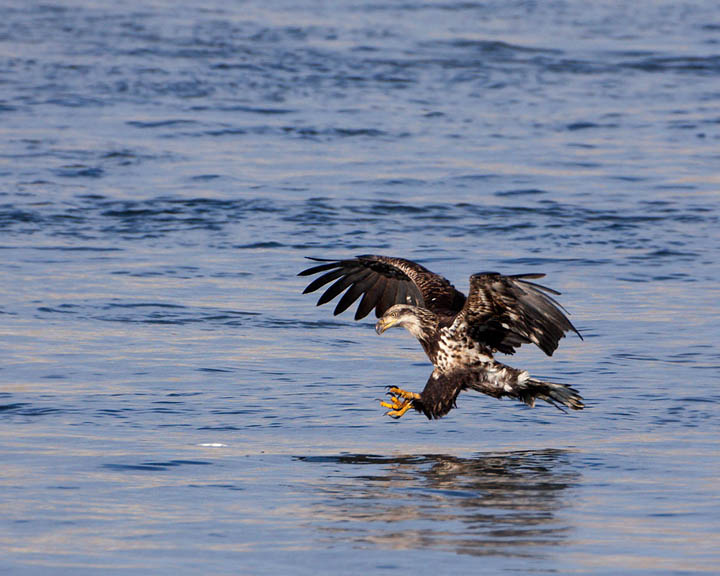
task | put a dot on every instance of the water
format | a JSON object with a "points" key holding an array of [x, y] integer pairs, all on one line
{"points": [[171, 404]]}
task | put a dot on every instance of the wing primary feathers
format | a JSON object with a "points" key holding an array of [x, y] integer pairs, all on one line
{"points": [[388, 298], [522, 278], [369, 299], [322, 280], [402, 292], [316, 269], [378, 299], [340, 285], [505, 311], [539, 290], [541, 287], [402, 281], [353, 293]]}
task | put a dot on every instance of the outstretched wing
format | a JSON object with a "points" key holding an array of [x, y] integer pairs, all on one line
{"points": [[382, 282], [504, 312]]}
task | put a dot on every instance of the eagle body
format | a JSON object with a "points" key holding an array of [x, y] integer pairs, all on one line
{"points": [[459, 334]]}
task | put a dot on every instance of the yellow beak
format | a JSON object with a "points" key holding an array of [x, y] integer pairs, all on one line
{"points": [[384, 323]]}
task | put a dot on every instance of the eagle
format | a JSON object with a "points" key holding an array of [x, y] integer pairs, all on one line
{"points": [[460, 334]]}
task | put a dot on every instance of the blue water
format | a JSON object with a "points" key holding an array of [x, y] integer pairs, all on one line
{"points": [[170, 403]]}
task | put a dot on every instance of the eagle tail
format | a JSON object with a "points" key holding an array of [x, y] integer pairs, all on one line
{"points": [[558, 395], [498, 380]]}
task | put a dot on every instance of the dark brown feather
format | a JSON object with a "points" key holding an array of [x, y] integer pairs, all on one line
{"points": [[391, 280], [316, 269], [388, 298], [340, 285], [503, 312], [322, 280], [353, 293], [370, 298], [402, 293]]}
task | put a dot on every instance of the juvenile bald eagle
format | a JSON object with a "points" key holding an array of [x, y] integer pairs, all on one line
{"points": [[459, 334]]}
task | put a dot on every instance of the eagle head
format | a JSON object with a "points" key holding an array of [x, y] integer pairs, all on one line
{"points": [[420, 322]]}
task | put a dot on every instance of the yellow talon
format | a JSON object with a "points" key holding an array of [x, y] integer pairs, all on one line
{"points": [[399, 413], [400, 401], [404, 393], [395, 403]]}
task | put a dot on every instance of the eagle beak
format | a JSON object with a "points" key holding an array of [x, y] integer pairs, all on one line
{"points": [[383, 324]]}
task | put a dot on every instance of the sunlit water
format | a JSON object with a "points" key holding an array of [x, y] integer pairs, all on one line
{"points": [[171, 404]]}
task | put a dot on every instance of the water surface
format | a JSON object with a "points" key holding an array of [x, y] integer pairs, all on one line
{"points": [[171, 404]]}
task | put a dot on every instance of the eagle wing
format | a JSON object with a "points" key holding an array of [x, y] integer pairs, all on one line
{"points": [[383, 281], [504, 312]]}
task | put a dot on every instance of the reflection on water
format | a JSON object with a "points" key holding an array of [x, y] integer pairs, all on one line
{"points": [[496, 503]]}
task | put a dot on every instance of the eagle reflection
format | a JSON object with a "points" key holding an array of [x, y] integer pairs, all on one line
{"points": [[498, 503]]}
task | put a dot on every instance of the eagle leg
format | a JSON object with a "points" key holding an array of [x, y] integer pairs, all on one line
{"points": [[400, 402]]}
